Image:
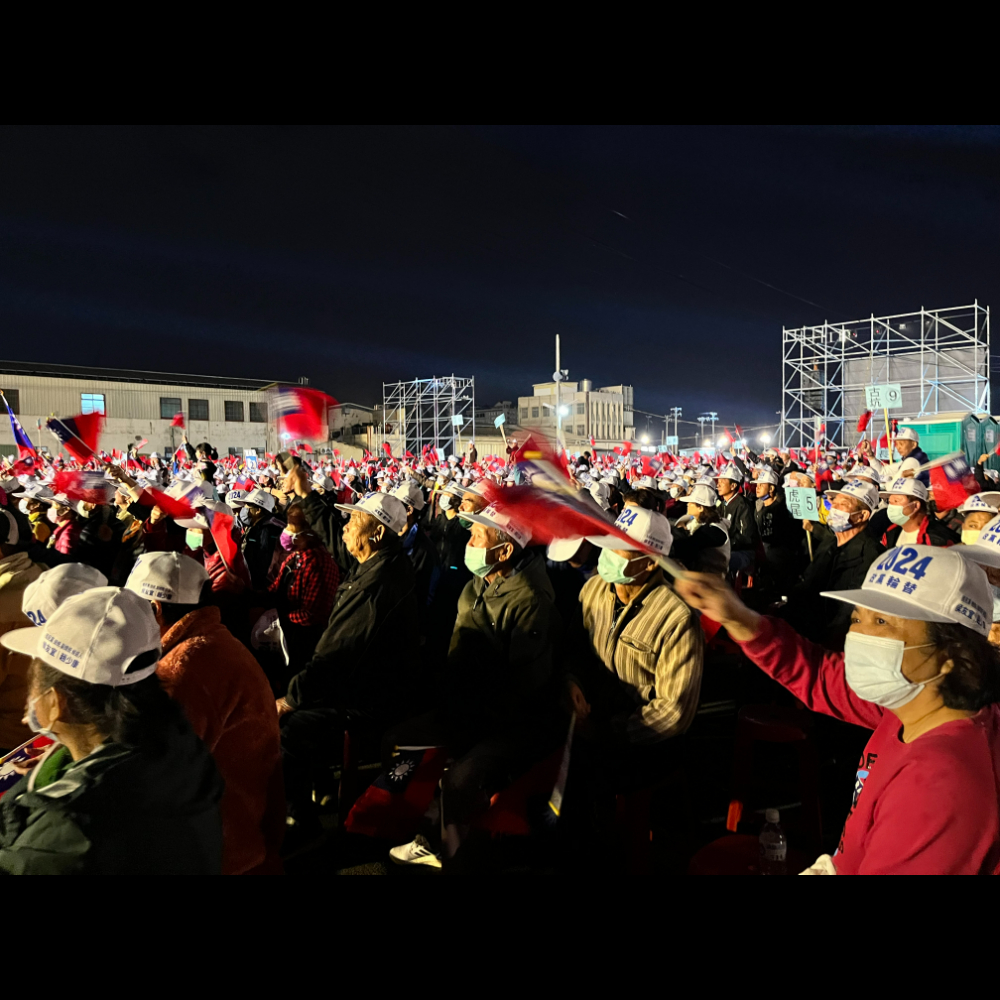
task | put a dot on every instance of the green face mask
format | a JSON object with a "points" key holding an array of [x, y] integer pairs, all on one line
{"points": [[464, 523], [611, 567], [475, 560], [193, 539]]}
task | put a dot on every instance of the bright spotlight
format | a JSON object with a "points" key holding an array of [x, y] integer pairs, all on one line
{"points": [[563, 410], [645, 439], [765, 438]]}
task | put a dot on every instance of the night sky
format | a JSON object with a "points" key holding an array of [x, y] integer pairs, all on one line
{"points": [[668, 258]]}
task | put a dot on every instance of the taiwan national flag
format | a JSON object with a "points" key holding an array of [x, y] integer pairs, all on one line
{"points": [[27, 457], [953, 482], [393, 807], [91, 487], [78, 435], [301, 412]]}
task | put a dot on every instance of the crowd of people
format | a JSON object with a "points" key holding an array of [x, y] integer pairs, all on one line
{"points": [[187, 640]]}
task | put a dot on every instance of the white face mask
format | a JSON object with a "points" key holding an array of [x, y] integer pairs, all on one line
{"points": [[53, 514], [22, 506], [873, 666]]}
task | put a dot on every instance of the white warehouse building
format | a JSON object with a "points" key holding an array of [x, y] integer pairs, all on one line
{"points": [[583, 412], [231, 414]]}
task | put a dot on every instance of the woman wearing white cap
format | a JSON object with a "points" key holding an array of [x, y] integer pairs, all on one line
{"points": [[127, 788], [704, 546], [918, 670]]}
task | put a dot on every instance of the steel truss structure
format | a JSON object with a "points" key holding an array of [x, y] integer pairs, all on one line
{"points": [[940, 358], [423, 412]]}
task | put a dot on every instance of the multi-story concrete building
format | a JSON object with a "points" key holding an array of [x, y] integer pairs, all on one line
{"points": [[485, 418], [582, 412], [229, 413]]}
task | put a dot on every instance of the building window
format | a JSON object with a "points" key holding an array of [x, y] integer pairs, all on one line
{"points": [[197, 409], [168, 407], [524, 413], [581, 429], [93, 402], [581, 408], [13, 397], [234, 411], [232, 451], [258, 413], [534, 412]]}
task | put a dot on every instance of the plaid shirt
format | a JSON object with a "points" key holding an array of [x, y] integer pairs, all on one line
{"points": [[310, 585]]}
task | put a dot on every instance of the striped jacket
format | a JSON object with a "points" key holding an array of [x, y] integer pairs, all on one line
{"points": [[656, 649]]}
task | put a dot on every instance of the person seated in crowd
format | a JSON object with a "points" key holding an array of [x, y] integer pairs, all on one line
{"points": [[780, 534], [260, 538], [17, 573], [917, 670], [127, 788], [305, 589], [907, 520], [744, 538], [840, 566], [701, 540], [31, 504], [357, 677], [66, 526], [228, 702], [643, 676], [416, 543], [976, 513], [498, 710], [571, 563], [907, 445]]}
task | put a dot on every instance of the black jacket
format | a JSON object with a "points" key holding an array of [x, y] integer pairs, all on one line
{"points": [[258, 544], [328, 523], [363, 660], [834, 567], [422, 557], [743, 535]]}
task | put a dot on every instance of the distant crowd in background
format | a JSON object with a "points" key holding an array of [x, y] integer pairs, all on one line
{"points": [[193, 646]]}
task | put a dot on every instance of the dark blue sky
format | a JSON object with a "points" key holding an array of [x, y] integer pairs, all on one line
{"points": [[357, 256]]}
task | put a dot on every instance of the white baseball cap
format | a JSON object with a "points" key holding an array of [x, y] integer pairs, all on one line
{"points": [[410, 493], [171, 577], [563, 549], [907, 434], [859, 490], [732, 472], [928, 583], [236, 498], [906, 486], [55, 586], [601, 492], [863, 472], [767, 476], [95, 637], [260, 498], [646, 526], [382, 506], [976, 504], [644, 483], [493, 517], [705, 496]]}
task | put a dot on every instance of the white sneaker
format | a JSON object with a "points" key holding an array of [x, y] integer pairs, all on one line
{"points": [[416, 852]]}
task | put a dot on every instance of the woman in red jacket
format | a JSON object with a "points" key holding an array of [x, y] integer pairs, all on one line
{"points": [[918, 670]]}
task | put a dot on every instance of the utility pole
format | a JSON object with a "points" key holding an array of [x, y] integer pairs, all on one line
{"points": [[676, 413], [702, 420]]}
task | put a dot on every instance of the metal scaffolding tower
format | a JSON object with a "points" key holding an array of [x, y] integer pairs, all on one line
{"points": [[940, 358], [440, 412]]}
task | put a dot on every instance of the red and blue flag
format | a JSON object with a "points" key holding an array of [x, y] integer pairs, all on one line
{"points": [[78, 435]]}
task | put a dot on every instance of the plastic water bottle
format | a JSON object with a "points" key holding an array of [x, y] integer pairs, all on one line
{"points": [[773, 845]]}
